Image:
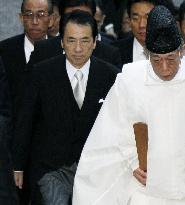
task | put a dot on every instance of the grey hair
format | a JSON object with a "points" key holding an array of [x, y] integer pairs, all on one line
{"points": [[50, 6]]}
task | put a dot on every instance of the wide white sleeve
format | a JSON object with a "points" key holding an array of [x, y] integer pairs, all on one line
{"points": [[109, 155]]}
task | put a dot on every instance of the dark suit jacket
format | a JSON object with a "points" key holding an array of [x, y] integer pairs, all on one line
{"points": [[126, 49], [13, 56], [7, 187], [107, 39], [49, 123], [52, 47]]}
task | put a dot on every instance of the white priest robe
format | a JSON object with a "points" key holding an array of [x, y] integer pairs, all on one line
{"points": [[105, 171]]}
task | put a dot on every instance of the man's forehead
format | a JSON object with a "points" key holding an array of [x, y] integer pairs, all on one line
{"points": [[76, 24], [142, 6], [36, 4], [76, 29], [166, 54]]}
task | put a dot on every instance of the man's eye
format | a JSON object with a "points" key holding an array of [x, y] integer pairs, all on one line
{"points": [[40, 14], [134, 18], [70, 40], [157, 60], [28, 14], [85, 41]]}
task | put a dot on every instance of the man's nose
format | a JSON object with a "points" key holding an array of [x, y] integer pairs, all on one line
{"points": [[35, 19], [142, 22], [164, 65], [78, 47]]}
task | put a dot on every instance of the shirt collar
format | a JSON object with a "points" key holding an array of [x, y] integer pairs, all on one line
{"points": [[28, 48], [138, 51], [71, 70], [99, 37]]}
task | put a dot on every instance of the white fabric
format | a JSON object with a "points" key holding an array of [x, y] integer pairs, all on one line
{"points": [[71, 70], [28, 48], [138, 51], [104, 174], [141, 198]]}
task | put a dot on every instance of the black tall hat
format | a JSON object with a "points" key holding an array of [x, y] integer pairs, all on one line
{"points": [[162, 33]]}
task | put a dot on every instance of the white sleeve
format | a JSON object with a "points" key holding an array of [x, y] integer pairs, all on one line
{"points": [[109, 155]]}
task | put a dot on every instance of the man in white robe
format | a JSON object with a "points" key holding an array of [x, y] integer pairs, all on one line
{"points": [[152, 92]]}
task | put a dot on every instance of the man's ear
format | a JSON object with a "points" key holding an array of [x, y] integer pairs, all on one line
{"points": [[62, 44], [51, 20], [95, 42], [182, 52]]}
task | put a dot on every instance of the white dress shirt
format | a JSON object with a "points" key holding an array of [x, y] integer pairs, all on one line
{"points": [[28, 48], [138, 51], [71, 70]]}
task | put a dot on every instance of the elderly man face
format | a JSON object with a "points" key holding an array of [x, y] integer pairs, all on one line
{"points": [[36, 19], [166, 65], [78, 43]]}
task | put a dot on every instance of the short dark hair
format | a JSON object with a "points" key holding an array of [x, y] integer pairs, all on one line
{"points": [[56, 3], [50, 6], [167, 3], [182, 12], [91, 4], [81, 18], [130, 3], [100, 5]]}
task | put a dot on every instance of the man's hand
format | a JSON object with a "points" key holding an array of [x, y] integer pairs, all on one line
{"points": [[140, 175], [18, 177]]}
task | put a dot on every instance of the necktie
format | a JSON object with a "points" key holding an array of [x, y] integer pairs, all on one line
{"points": [[78, 88]]}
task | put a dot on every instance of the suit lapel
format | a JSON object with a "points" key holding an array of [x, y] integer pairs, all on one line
{"points": [[64, 83], [19, 54], [93, 88]]}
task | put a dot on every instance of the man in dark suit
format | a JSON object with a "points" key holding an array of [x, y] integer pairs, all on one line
{"points": [[57, 111], [132, 48], [15, 52], [7, 185], [52, 47]]}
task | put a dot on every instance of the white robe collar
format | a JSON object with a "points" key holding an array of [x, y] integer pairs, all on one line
{"points": [[153, 79]]}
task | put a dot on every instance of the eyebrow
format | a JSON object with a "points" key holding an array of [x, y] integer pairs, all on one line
{"points": [[134, 14], [35, 11], [169, 55], [85, 37], [137, 14]]}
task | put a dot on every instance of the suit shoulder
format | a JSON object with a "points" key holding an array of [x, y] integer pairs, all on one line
{"points": [[105, 66], [123, 43], [11, 41], [45, 49], [106, 46], [49, 64], [46, 43]]}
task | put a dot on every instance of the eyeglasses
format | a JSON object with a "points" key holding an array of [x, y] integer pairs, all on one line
{"points": [[40, 15]]}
